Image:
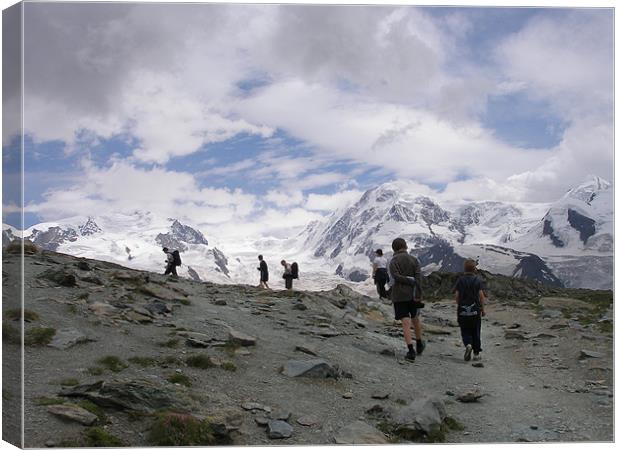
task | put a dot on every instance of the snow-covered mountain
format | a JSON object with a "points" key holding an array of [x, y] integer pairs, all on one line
{"points": [[531, 240]]}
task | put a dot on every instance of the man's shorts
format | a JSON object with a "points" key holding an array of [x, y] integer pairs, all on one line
{"points": [[405, 309]]}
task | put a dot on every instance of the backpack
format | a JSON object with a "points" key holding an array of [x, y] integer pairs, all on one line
{"points": [[469, 303], [176, 258], [295, 270]]}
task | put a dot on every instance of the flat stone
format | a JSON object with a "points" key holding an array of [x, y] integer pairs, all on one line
{"points": [[278, 429], [308, 421], [300, 307], [477, 364], [253, 406], [358, 433], [280, 415], [583, 354], [220, 302], [551, 314], [67, 338], [103, 309], [313, 368], [470, 396], [307, 349], [137, 317], [196, 343], [347, 395], [514, 334], [261, 421], [73, 413], [240, 338], [380, 395], [546, 336]]}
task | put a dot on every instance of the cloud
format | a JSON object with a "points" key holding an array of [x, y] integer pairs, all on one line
{"points": [[332, 202], [285, 199]]}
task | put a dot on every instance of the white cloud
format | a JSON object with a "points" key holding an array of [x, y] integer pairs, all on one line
{"points": [[332, 202], [286, 198]]}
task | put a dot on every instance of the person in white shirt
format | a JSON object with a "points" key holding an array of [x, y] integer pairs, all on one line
{"points": [[380, 273]]}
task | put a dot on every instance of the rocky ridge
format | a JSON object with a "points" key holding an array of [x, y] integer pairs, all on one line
{"points": [[141, 352]]}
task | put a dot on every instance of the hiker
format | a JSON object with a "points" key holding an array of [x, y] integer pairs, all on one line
{"points": [[469, 297], [172, 262], [380, 273], [287, 275], [264, 273], [406, 294]]}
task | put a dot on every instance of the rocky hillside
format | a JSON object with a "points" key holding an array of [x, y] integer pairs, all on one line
{"points": [[115, 356]]}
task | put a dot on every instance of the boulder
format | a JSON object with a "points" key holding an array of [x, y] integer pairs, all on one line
{"points": [[133, 395], [60, 277], [359, 432], [242, 339], [67, 338], [280, 415], [278, 429], [312, 368], [158, 308], [83, 265], [420, 418], [73, 413]]}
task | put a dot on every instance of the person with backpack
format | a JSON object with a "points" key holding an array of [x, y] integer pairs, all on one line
{"points": [[264, 273], [380, 273], [173, 259], [291, 272], [406, 295], [469, 297]]}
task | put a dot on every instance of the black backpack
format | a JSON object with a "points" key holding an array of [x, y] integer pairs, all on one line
{"points": [[176, 258], [295, 270], [469, 303]]}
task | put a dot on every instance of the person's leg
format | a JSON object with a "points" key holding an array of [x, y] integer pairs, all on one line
{"points": [[417, 328], [467, 336], [174, 271], [476, 344], [406, 321], [288, 283]]}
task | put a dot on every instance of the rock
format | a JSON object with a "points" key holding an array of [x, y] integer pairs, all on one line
{"points": [[73, 413], [388, 352], [278, 429], [546, 336], [514, 326], [347, 395], [93, 280], [359, 433], [450, 393], [134, 316], [380, 395], [158, 308], [477, 364], [558, 326], [470, 396], [312, 368], [307, 349], [308, 421], [280, 415], [513, 334], [589, 354], [253, 406], [67, 338], [60, 277], [420, 418], [551, 314], [134, 395], [196, 343], [261, 421], [437, 330], [300, 306], [563, 303], [83, 265], [220, 302], [103, 309], [239, 338]]}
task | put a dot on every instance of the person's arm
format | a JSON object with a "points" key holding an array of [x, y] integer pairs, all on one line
{"points": [[397, 274], [482, 299], [418, 278], [456, 297]]}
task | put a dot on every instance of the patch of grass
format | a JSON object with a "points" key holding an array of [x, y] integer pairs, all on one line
{"points": [[39, 336], [453, 424], [95, 370], [169, 361], [179, 378], [606, 327], [184, 301], [72, 309], [135, 416], [98, 437], [69, 382], [96, 410], [16, 314], [113, 363], [199, 361], [170, 343], [11, 334], [230, 347], [175, 429], [46, 401], [229, 366], [143, 361]]}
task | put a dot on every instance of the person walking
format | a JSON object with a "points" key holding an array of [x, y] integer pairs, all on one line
{"points": [[469, 297], [380, 273], [264, 273], [287, 275], [171, 264], [405, 274]]}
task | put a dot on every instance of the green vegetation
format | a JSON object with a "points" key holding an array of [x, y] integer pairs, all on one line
{"points": [[229, 366], [45, 401], [69, 382], [175, 429], [230, 347], [170, 343], [95, 371], [98, 437], [169, 361], [11, 334], [143, 361], [179, 378], [16, 314], [39, 336], [453, 424], [184, 301], [113, 363], [96, 410], [199, 361]]}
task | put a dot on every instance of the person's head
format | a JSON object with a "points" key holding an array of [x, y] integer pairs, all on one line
{"points": [[260, 257], [283, 262], [469, 266], [379, 252], [165, 249], [399, 244]]}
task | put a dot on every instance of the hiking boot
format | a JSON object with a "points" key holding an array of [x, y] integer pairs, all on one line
{"points": [[477, 356], [420, 346], [468, 350], [410, 356]]}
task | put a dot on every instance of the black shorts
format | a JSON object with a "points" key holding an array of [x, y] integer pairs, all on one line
{"points": [[405, 309], [264, 277]]}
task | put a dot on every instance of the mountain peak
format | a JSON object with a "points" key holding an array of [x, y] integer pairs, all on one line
{"points": [[588, 190]]}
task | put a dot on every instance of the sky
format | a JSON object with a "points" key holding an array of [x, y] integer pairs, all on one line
{"points": [[260, 118]]}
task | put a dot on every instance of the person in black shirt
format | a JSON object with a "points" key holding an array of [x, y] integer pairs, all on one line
{"points": [[264, 273], [469, 296]]}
